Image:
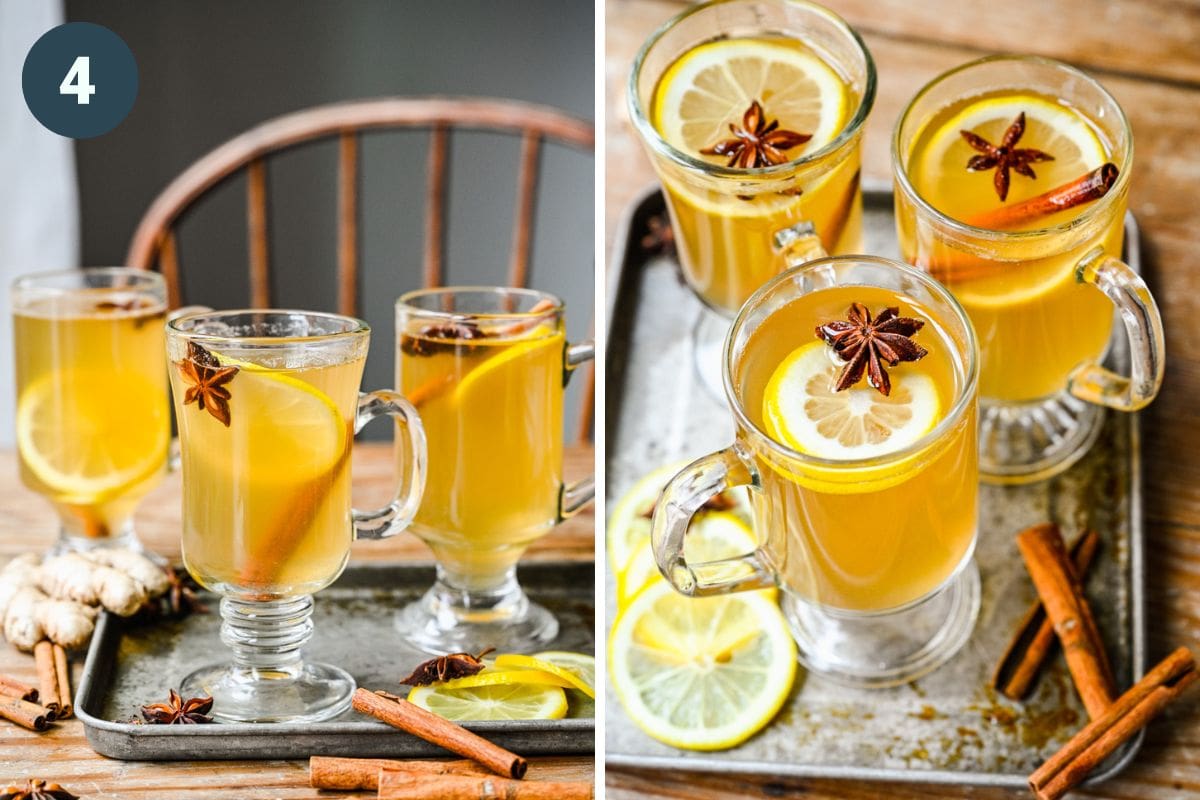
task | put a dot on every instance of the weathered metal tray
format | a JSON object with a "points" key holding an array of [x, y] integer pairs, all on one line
{"points": [[128, 665], [948, 727]]}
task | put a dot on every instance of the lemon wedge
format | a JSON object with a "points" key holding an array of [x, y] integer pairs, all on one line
{"points": [[502, 701], [701, 673]]}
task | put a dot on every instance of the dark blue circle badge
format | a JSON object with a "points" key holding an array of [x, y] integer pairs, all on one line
{"points": [[80, 80]]}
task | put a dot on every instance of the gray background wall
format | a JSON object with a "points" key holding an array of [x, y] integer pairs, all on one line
{"points": [[210, 70]]}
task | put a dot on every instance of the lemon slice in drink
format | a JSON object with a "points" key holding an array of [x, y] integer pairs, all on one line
{"points": [[512, 701], [712, 85], [86, 444], [571, 679], [802, 410], [492, 378], [701, 673]]}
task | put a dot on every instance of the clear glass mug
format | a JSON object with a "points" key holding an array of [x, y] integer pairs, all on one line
{"points": [[487, 368], [1041, 300], [736, 228], [93, 418], [267, 404], [874, 555]]}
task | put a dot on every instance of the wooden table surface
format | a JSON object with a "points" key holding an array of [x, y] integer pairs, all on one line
{"points": [[63, 755], [1147, 52]]}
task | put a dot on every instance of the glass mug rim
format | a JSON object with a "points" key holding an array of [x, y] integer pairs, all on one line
{"points": [[406, 304], [47, 281], [1103, 205], [966, 395], [184, 326], [650, 135]]}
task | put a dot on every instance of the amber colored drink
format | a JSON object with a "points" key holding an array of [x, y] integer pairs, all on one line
{"points": [[493, 416], [869, 534], [1035, 320], [93, 424]]}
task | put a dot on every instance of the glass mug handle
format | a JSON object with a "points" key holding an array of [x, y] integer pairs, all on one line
{"points": [[683, 496], [1143, 327], [174, 453], [799, 243], [396, 515], [574, 496]]}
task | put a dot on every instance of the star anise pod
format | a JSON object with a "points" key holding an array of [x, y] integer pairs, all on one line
{"points": [[454, 332], [207, 378], [177, 711], [181, 598], [35, 789], [757, 143], [865, 343], [446, 668], [659, 239], [1005, 157]]}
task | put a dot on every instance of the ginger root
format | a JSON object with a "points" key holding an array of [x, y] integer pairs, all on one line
{"points": [[74, 577], [31, 616], [145, 572]]}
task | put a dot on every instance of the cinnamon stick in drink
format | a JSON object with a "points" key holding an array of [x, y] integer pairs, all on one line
{"points": [[399, 713], [397, 785], [11, 687], [1034, 639], [1050, 568], [1121, 720], [326, 772], [1083, 189], [26, 714]]}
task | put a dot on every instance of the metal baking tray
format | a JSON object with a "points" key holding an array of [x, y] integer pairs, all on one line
{"points": [[129, 665], [948, 727]]}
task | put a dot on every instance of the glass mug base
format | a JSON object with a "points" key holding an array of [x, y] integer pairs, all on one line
{"points": [[1027, 442], [708, 344], [125, 539], [452, 620], [878, 651], [311, 693]]}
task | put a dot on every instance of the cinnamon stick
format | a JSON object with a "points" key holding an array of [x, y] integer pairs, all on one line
{"points": [[395, 785], [1083, 189], [327, 772], [26, 714], [62, 669], [1121, 720], [1048, 565], [399, 713], [1034, 639], [11, 687], [43, 657]]}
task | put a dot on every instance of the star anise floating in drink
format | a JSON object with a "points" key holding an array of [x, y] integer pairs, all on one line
{"points": [[865, 343], [757, 143], [177, 711], [1007, 156], [207, 378], [455, 332], [35, 789], [446, 668]]}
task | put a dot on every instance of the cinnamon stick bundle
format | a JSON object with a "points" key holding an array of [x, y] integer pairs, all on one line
{"points": [[326, 772], [54, 676], [1046, 560], [1121, 720], [399, 713], [11, 687], [1034, 639], [396, 785], [26, 714]]}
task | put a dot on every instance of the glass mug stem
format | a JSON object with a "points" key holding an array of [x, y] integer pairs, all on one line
{"points": [[1143, 327], [396, 515]]}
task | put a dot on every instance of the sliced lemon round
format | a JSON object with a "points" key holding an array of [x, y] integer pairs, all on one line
{"points": [[802, 410], [569, 678], [941, 173], [502, 675], [511, 701], [494, 377], [701, 673], [91, 445], [712, 85], [582, 665]]}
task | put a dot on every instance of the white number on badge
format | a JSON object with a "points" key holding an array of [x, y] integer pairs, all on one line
{"points": [[78, 81]]}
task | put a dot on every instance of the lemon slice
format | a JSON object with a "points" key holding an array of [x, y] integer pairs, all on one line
{"points": [[521, 663], [712, 85], [802, 410], [502, 676], [582, 665], [512, 701], [494, 377], [89, 445], [1062, 132], [701, 673]]}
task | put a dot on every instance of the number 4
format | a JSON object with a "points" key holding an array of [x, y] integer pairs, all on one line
{"points": [[78, 81]]}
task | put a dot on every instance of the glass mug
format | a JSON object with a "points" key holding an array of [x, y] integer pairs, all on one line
{"points": [[737, 227], [1041, 300], [487, 367], [874, 554], [93, 419], [267, 404]]}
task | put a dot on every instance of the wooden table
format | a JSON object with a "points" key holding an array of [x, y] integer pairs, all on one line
{"points": [[1145, 52], [63, 755]]}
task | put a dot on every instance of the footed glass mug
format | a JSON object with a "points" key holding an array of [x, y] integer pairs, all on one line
{"points": [[267, 404], [487, 367], [873, 552], [736, 225], [1040, 293], [93, 416]]}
